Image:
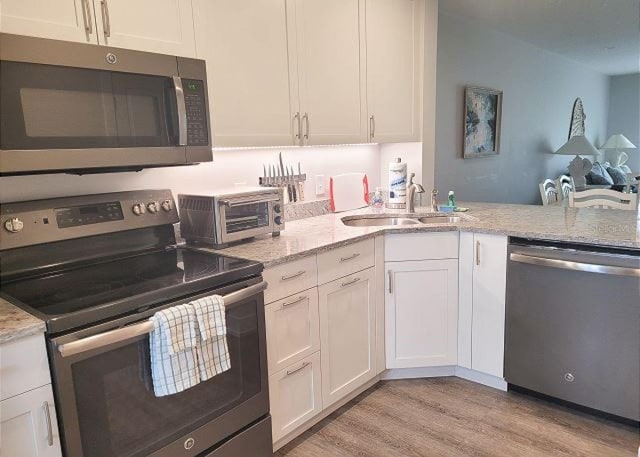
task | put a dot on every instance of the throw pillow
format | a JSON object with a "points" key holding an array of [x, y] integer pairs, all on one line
{"points": [[618, 176], [599, 175]]}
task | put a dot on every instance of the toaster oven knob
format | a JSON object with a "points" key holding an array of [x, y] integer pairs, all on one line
{"points": [[278, 220], [153, 207], [13, 225], [167, 205], [276, 208], [139, 209]]}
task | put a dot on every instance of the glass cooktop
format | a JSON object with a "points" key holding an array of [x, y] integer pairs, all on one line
{"points": [[140, 280]]}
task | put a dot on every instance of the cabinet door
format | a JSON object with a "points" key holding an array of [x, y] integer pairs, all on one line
{"points": [[28, 425], [347, 334], [421, 313], [394, 69], [295, 395], [489, 289], [253, 96], [68, 20], [331, 70], [163, 26], [293, 330]]}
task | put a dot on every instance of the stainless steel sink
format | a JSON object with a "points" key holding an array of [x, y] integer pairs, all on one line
{"points": [[439, 219], [378, 221]]}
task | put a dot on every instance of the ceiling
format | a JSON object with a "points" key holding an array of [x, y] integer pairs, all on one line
{"points": [[601, 34]]}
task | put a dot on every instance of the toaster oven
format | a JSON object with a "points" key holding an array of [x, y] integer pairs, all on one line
{"points": [[223, 218]]}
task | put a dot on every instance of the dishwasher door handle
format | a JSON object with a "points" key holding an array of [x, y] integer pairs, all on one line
{"points": [[575, 266]]}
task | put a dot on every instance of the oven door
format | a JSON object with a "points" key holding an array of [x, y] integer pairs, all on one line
{"points": [[245, 217], [104, 393]]}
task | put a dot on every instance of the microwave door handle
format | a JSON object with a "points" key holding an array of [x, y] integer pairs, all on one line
{"points": [[142, 328], [182, 111]]}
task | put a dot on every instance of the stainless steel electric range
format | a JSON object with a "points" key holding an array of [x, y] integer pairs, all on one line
{"points": [[95, 268]]}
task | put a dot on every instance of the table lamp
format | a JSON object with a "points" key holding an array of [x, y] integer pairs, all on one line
{"points": [[579, 167], [618, 143]]}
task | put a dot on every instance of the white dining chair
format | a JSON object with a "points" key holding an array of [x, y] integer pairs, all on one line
{"points": [[603, 198], [565, 186], [549, 192]]}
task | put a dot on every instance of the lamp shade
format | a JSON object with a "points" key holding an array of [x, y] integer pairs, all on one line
{"points": [[578, 145], [618, 141]]}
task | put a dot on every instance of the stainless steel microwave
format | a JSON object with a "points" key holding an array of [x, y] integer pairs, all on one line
{"points": [[81, 108]]}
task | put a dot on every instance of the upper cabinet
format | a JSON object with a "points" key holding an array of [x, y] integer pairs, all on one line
{"points": [[330, 70], [146, 25], [394, 49], [68, 20], [164, 26], [252, 92]]}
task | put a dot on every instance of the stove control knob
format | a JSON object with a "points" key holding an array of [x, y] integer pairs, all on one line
{"points": [[139, 209], [153, 207], [167, 205], [13, 225], [278, 220]]}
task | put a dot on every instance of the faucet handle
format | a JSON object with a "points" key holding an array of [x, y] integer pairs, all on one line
{"points": [[411, 176], [434, 192]]}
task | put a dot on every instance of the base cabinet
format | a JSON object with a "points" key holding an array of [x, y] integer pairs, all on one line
{"points": [[421, 313], [347, 334], [295, 395], [28, 426]]}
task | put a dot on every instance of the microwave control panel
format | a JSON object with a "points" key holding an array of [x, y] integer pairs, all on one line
{"points": [[194, 100]]}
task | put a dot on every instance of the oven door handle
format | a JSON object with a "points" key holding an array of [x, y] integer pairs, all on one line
{"points": [[122, 334], [575, 266], [182, 111], [240, 202]]}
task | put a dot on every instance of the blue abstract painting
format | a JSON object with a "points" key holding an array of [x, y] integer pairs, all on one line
{"points": [[483, 109]]}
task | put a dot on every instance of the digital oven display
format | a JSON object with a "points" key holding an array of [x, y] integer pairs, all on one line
{"points": [[75, 216]]}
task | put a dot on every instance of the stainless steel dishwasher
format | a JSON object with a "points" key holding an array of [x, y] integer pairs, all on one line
{"points": [[573, 324]]}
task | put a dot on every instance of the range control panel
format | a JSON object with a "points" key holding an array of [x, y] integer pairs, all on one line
{"points": [[194, 100], [44, 221]]}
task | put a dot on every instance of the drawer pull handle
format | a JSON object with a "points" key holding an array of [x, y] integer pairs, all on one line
{"points": [[293, 302], [390, 273], [348, 283], [477, 252], [301, 367], [351, 257], [295, 275], [47, 418]]}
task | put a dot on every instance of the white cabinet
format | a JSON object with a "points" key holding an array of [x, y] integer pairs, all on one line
{"points": [[163, 26], [68, 20], [347, 334], [421, 315], [483, 272], [28, 426], [251, 89], [23, 365], [293, 331], [331, 70], [394, 46], [295, 395]]}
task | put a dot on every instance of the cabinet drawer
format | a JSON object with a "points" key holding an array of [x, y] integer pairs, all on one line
{"points": [[25, 365], [293, 331], [295, 395], [343, 261], [289, 278], [421, 246]]}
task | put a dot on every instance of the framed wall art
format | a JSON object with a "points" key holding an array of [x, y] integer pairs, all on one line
{"points": [[482, 119]]}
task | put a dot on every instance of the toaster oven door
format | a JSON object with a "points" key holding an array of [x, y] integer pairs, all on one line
{"points": [[245, 217]]}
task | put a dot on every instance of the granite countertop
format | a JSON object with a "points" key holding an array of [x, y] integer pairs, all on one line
{"points": [[16, 323], [304, 237]]}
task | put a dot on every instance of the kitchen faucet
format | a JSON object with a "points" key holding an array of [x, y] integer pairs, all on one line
{"points": [[412, 190]]}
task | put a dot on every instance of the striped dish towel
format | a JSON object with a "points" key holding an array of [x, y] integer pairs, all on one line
{"points": [[213, 352], [172, 344]]}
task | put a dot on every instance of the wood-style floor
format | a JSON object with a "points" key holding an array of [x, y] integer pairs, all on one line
{"points": [[446, 417]]}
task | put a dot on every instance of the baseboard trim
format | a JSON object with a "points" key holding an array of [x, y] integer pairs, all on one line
{"points": [[481, 378], [412, 373], [311, 422]]}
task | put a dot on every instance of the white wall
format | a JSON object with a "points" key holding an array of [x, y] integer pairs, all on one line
{"points": [[624, 112], [228, 168], [539, 90]]}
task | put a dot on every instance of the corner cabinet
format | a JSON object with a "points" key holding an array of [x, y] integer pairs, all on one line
{"points": [[483, 270], [347, 334], [394, 50], [146, 25]]}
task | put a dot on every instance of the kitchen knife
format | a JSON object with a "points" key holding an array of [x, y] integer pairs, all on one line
{"points": [[287, 182], [300, 184], [292, 184], [264, 175], [281, 164], [286, 196]]}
